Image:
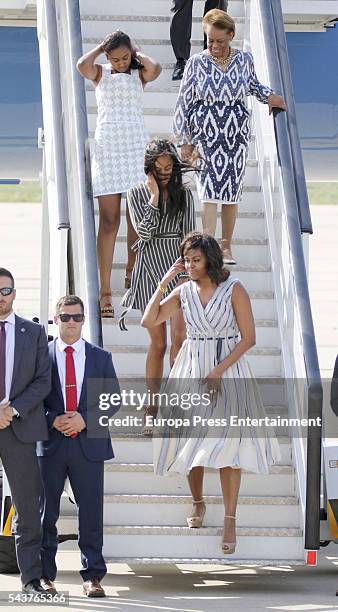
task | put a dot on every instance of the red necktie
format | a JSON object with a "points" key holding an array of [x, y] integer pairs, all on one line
{"points": [[2, 360], [71, 389]]}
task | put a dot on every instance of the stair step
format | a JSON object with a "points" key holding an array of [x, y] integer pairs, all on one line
{"points": [[140, 449], [252, 276], [139, 478], [164, 510], [262, 303], [149, 7], [142, 36], [144, 27], [135, 349], [176, 541], [163, 131], [149, 467], [267, 333]]}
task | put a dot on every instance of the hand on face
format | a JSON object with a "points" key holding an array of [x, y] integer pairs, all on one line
{"points": [[175, 269], [152, 185]]}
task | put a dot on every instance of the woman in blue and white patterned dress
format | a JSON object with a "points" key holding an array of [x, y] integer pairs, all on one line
{"points": [[220, 330], [120, 142], [211, 117]]}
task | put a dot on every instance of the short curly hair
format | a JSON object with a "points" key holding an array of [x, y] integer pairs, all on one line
{"points": [[219, 19]]}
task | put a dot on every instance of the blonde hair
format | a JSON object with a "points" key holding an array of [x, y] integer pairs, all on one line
{"points": [[218, 19]]}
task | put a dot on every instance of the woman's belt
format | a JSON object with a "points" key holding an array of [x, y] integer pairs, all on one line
{"points": [[227, 334], [168, 235]]}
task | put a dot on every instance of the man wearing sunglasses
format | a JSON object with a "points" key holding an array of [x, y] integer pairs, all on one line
{"points": [[73, 450], [24, 383]]}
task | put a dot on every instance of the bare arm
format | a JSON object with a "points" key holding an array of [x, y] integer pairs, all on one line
{"points": [[245, 321], [151, 69], [158, 311], [87, 67]]}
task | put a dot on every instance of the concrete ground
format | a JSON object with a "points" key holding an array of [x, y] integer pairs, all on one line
{"points": [[193, 588]]}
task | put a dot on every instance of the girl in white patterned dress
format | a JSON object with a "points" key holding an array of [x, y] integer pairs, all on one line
{"points": [[120, 141], [220, 330]]}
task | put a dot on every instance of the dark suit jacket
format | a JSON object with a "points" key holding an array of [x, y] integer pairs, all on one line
{"points": [[31, 381], [99, 377], [334, 389]]}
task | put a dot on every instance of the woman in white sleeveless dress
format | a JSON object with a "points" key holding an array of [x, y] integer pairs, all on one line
{"points": [[120, 141], [220, 330]]}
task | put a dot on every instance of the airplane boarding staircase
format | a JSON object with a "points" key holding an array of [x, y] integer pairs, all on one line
{"points": [[145, 515]]}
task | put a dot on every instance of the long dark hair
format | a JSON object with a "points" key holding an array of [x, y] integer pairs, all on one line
{"points": [[121, 39], [176, 189], [212, 251]]}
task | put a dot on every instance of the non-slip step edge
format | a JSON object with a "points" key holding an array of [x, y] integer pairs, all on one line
{"points": [[152, 498], [149, 468], [168, 530]]}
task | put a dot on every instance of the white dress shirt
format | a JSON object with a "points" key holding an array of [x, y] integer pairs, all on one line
{"points": [[79, 357], [10, 346]]}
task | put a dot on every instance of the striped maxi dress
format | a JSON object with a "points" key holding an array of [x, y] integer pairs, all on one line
{"points": [[212, 334], [158, 247]]}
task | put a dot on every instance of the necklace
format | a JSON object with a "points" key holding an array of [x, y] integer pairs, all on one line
{"points": [[225, 60]]}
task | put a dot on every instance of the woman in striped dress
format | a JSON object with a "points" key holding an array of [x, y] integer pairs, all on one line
{"points": [[220, 330], [162, 212]]}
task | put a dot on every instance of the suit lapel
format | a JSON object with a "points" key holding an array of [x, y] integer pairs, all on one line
{"points": [[21, 332], [87, 373], [56, 383]]}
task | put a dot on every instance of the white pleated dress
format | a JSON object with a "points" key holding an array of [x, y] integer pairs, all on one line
{"points": [[212, 333], [120, 136]]}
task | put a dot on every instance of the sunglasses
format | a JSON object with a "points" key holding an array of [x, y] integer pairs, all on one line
{"points": [[6, 291], [65, 318]]}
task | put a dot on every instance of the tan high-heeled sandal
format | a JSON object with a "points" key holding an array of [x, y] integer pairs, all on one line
{"points": [[228, 259], [107, 311], [194, 522], [148, 429], [228, 548]]}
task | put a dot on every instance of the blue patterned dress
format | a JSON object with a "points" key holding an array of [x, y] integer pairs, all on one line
{"points": [[211, 114]]}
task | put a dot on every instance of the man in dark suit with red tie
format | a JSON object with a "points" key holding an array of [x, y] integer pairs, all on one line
{"points": [[180, 30], [71, 450]]}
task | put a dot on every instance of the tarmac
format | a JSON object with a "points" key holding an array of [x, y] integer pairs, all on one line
{"points": [[191, 588]]}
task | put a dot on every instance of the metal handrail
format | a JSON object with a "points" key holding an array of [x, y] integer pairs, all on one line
{"points": [[293, 179], [48, 13], [296, 152], [83, 170]]}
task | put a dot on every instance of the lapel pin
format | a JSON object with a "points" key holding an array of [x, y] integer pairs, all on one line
{"points": [[23, 329]]}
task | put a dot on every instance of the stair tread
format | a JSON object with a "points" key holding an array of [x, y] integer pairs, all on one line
{"points": [[138, 437], [202, 531], [141, 18], [148, 467], [93, 40], [254, 295], [237, 268], [136, 348], [258, 322], [234, 242], [261, 500]]}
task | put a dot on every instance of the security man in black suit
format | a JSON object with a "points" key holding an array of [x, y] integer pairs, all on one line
{"points": [[180, 30]]}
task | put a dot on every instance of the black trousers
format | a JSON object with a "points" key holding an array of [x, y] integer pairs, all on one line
{"points": [[181, 21], [22, 470]]}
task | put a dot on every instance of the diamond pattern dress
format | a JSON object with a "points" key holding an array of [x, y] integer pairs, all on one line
{"points": [[120, 135], [212, 334], [211, 113]]}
